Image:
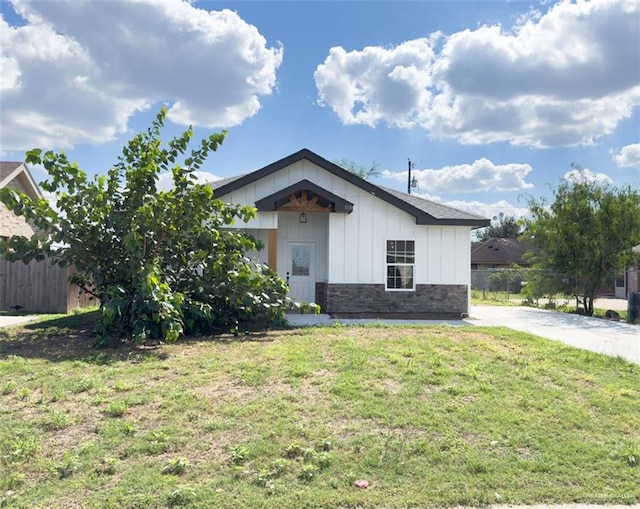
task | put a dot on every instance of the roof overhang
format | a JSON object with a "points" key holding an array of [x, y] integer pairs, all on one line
{"points": [[304, 196]]}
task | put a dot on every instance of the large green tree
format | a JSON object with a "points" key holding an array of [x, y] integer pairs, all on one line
{"points": [[582, 235], [163, 263], [501, 227]]}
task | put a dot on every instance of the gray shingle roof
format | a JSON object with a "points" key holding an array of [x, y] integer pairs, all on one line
{"points": [[500, 252], [437, 210]]}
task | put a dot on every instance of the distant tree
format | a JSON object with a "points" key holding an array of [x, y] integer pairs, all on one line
{"points": [[357, 169], [162, 263], [502, 227], [587, 231]]}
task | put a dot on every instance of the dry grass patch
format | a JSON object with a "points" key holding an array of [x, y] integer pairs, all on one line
{"points": [[427, 415]]}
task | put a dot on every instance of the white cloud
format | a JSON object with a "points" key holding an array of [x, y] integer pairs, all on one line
{"points": [[565, 77], [365, 87], [77, 71], [490, 210], [628, 157], [585, 175], [165, 180], [480, 176], [483, 209]]}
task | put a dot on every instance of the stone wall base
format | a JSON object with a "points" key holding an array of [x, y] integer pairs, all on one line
{"points": [[373, 301]]}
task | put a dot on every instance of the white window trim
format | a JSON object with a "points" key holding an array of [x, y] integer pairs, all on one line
{"points": [[386, 266]]}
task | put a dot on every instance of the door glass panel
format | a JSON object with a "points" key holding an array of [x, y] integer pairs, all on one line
{"points": [[300, 260]]}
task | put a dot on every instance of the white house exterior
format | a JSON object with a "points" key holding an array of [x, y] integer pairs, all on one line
{"points": [[356, 249]]}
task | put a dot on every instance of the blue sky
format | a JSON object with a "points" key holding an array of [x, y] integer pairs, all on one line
{"points": [[491, 100]]}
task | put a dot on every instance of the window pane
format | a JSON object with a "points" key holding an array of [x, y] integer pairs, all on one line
{"points": [[400, 277], [300, 260], [400, 260]]}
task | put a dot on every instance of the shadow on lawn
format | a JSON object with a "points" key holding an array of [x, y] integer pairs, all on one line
{"points": [[71, 338]]}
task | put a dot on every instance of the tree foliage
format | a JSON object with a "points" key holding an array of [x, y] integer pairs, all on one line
{"points": [[357, 169], [585, 233], [501, 227], [162, 263]]}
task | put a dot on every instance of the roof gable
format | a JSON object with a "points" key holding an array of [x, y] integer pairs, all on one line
{"points": [[322, 199], [16, 171], [425, 211]]}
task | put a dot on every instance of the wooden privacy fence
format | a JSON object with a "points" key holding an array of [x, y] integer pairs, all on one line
{"points": [[39, 287]]}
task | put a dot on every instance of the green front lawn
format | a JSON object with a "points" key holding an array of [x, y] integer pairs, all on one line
{"points": [[291, 419]]}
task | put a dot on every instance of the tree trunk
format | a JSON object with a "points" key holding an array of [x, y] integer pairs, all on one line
{"points": [[588, 310]]}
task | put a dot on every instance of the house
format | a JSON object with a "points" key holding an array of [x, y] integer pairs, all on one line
{"points": [[496, 253], [16, 175], [628, 281], [36, 287], [354, 248]]}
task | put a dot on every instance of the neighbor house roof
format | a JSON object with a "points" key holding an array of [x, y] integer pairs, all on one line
{"points": [[17, 171], [497, 251], [425, 211]]}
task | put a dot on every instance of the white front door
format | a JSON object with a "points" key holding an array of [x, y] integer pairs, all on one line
{"points": [[300, 271]]}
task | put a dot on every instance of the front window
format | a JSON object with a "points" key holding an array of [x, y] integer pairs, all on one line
{"points": [[401, 256]]}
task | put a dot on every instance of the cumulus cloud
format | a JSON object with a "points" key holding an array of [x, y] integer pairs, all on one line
{"points": [[365, 87], [585, 175], [165, 180], [628, 157], [77, 71], [565, 77], [480, 176], [489, 210]]}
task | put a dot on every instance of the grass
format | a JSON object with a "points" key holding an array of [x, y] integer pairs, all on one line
{"points": [[428, 416], [491, 298]]}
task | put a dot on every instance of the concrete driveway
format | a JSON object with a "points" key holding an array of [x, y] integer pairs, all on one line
{"points": [[595, 334]]}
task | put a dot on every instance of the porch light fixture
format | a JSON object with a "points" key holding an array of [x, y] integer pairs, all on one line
{"points": [[302, 218]]}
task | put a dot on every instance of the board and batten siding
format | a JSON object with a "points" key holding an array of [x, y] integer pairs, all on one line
{"points": [[355, 244]]}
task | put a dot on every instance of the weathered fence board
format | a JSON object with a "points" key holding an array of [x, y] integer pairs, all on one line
{"points": [[39, 287]]}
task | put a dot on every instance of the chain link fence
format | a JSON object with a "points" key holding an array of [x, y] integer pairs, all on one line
{"points": [[620, 284]]}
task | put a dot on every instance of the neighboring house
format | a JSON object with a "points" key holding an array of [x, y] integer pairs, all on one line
{"points": [[16, 175], [36, 287], [629, 280], [354, 248], [496, 253]]}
